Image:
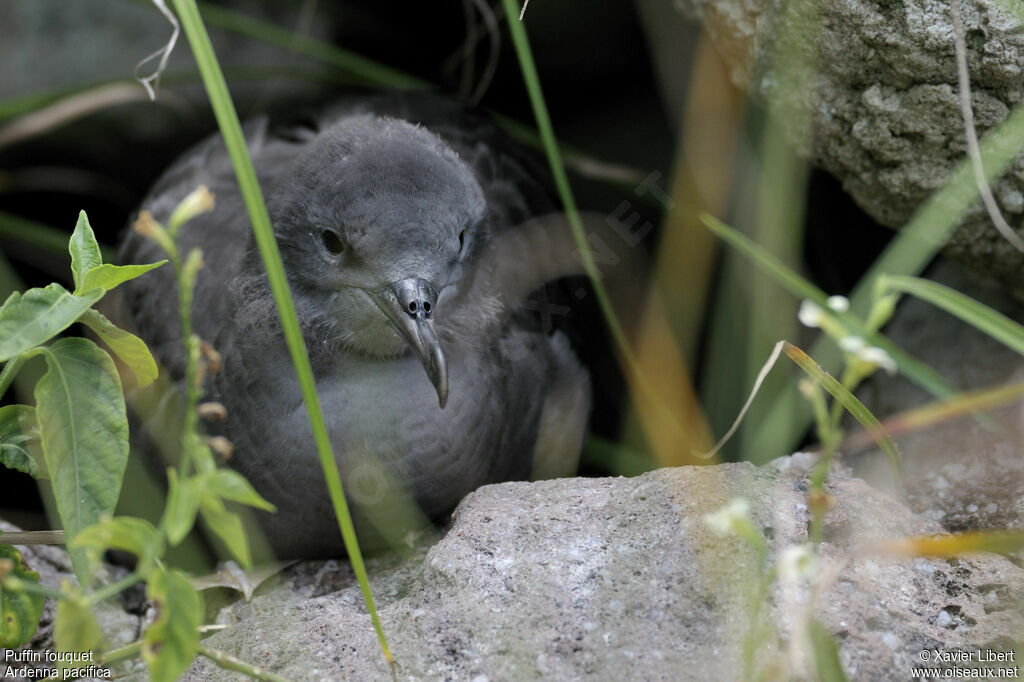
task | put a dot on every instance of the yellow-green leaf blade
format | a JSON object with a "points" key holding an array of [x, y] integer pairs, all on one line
{"points": [[76, 628], [84, 430], [85, 252], [231, 485], [171, 642], [108, 276], [848, 401], [33, 318], [20, 610], [132, 350], [182, 506], [826, 653], [227, 526], [126, 533], [17, 428], [985, 319]]}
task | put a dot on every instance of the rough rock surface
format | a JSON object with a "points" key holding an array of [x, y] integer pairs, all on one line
{"points": [[880, 95], [623, 579]]}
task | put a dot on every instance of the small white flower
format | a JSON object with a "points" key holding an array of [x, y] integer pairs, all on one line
{"points": [[878, 357], [852, 344], [840, 304], [798, 561], [810, 314], [730, 518]]}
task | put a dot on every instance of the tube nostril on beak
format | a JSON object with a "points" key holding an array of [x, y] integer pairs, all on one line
{"points": [[416, 296]]}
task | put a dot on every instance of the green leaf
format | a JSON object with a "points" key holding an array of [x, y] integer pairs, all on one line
{"points": [[847, 400], [182, 506], [108, 276], [170, 644], [132, 350], [826, 653], [231, 485], [17, 428], [787, 418], [20, 610], [76, 628], [978, 315], [85, 252], [228, 526], [125, 533], [84, 430], [30, 319]]}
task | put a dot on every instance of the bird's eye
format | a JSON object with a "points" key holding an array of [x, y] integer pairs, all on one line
{"points": [[332, 242], [462, 238]]}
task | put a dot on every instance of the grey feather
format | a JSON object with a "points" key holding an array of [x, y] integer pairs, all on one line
{"points": [[372, 192]]}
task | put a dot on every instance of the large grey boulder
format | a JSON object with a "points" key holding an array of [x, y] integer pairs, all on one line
{"points": [[623, 579], [876, 101]]}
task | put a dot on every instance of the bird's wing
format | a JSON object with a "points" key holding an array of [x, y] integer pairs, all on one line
{"points": [[223, 235]]}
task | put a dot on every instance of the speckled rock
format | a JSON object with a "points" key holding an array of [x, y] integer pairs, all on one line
{"points": [[623, 579], [875, 100]]}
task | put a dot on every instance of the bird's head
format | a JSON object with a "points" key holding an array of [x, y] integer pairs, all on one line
{"points": [[376, 221]]}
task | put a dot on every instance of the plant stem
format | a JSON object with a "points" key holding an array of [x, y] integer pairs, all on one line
{"points": [[551, 150], [113, 588], [229, 662], [231, 130], [122, 653]]}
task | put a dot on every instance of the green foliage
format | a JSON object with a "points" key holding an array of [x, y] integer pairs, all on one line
{"points": [[127, 534], [849, 401], [83, 427], [80, 422], [826, 653], [20, 610], [18, 427], [76, 628], [981, 317], [182, 506], [80, 413], [199, 486], [131, 350], [234, 141], [171, 642], [922, 375], [32, 319]]}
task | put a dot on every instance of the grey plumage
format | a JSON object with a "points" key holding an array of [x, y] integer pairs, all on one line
{"points": [[400, 222]]}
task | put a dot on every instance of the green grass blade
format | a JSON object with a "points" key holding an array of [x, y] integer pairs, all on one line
{"points": [[908, 253], [227, 120], [797, 285], [915, 370], [848, 401], [826, 653], [978, 315], [551, 150]]}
